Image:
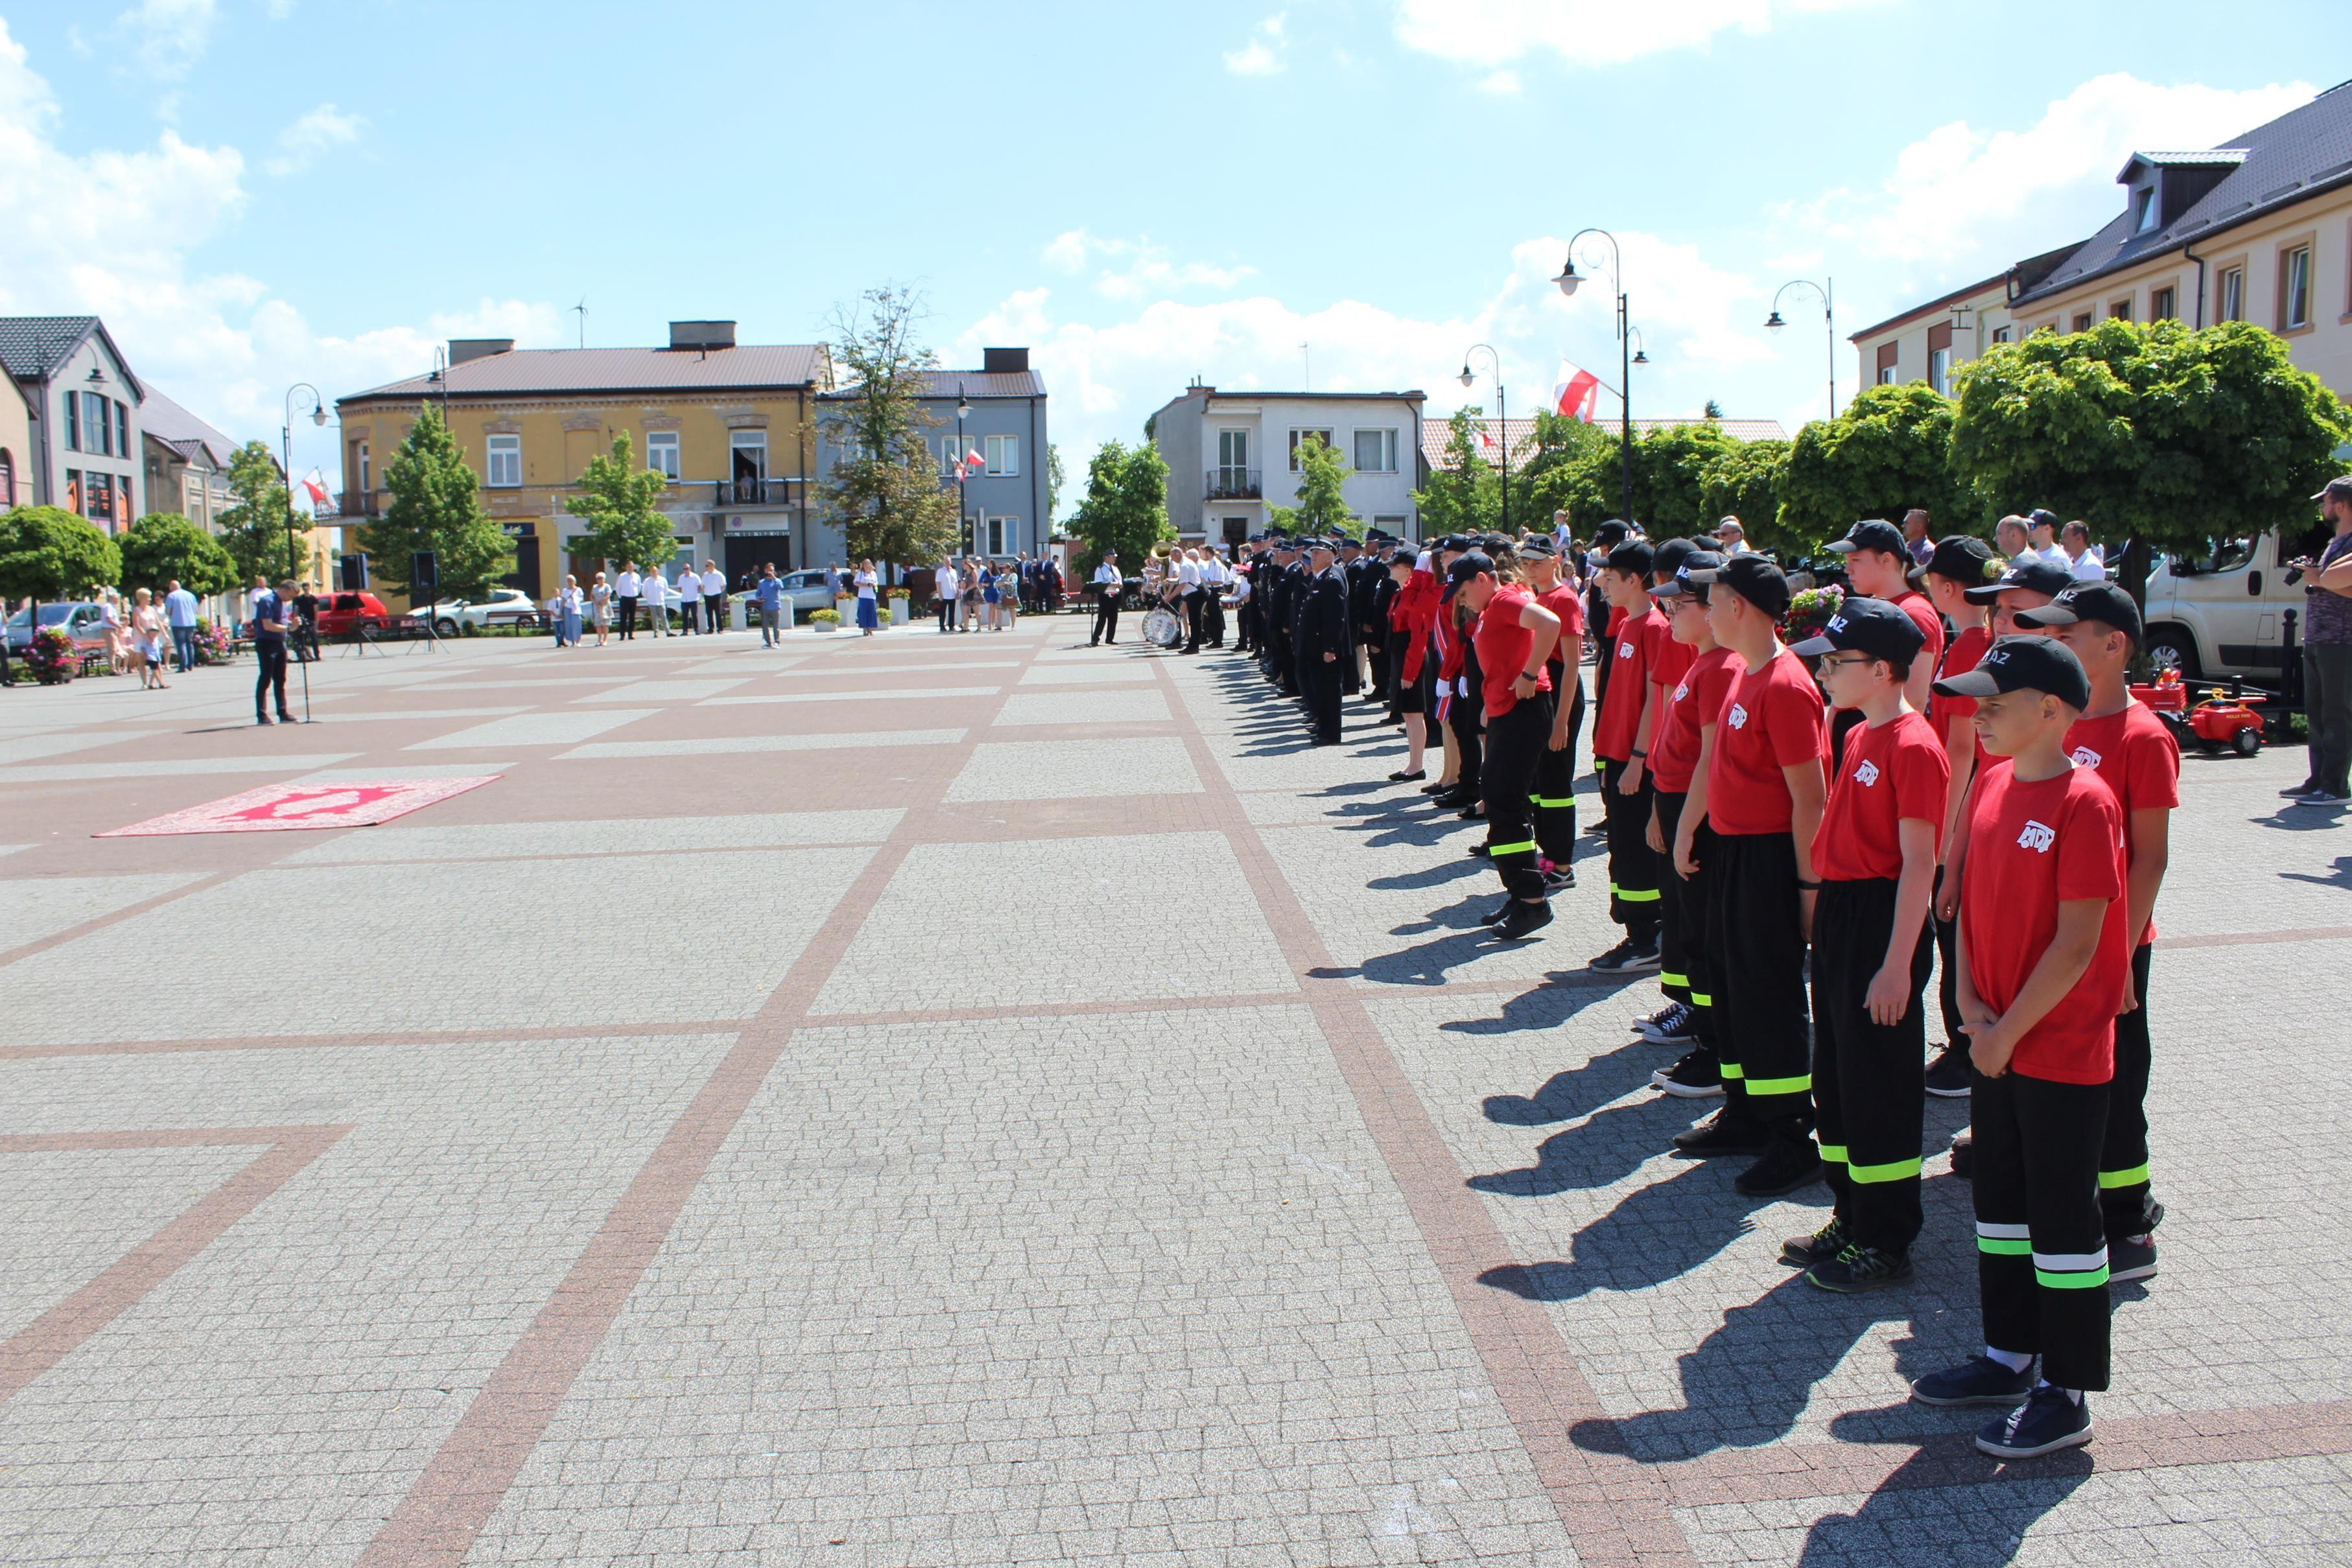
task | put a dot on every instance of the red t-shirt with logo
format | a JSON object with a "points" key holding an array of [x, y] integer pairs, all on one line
{"points": [[1632, 640], [1890, 771], [1958, 660], [1922, 609], [2138, 761], [1669, 660], [1771, 718], [1503, 645], [1562, 601], [1690, 705], [2033, 847]]}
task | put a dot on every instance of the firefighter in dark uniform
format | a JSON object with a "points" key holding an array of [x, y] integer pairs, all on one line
{"points": [[1274, 623], [1323, 644], [1298, 581]]}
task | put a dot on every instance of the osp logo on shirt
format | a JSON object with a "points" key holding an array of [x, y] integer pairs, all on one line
{"points": [[1624, 649], [1681, 691], [2083, 757], [1867, 774], [2037, 837], [1738, 716]]}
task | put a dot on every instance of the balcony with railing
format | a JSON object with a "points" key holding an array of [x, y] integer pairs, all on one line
{"points": [[751, 493], [357, 504], [1236, 484]]}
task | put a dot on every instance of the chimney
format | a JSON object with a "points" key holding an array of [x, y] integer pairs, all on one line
{"points": [[1005, 361], [464, 349], [702, 334]]}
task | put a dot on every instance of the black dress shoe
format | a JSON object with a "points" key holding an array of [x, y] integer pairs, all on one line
{"points": [[1408, 778], [1474, 812], [1788, 1164], [1723, 1134], [1524, 920], [1435, 789]]}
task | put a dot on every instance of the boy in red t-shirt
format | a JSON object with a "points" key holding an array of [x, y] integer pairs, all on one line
{"points": [[1764, 798], [1620, 745], [1878, 563], [1555, 786], [1514, 637], [2138, 759], [2043, 966], [1959, 563], [1875, 854]]}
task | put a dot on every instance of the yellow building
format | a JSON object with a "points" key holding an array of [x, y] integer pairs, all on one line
{"points": [[731, 426]]}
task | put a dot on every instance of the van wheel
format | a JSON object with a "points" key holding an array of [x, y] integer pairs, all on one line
{"points": [[2171, 648]]}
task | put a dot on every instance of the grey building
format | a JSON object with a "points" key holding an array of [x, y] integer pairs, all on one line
{"points": [[86, 431], [187, 462], [996, 412]]}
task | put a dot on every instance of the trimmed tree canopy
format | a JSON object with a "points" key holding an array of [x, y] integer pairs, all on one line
{"points": [[163, 546], [49, 553], [1125, 506], [1891, 450]]}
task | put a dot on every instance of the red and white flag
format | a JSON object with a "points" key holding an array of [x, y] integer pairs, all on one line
{"points": [[973, 462], [315, 483], [1487, 444], [1573, 395]]}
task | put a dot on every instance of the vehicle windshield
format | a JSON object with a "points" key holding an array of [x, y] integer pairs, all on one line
{"points": [[51, 615], [2228, 556]]}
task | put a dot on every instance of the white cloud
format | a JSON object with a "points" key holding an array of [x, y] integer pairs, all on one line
{"points": [[1500, 83], [1583, 32], [301, 144], [1260, 56], [167, 36], [1144, 270]]}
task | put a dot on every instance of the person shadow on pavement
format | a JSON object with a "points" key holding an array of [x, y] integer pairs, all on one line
{"points": [[1661, 1232], [1946, 1504], [1611, 1145]]}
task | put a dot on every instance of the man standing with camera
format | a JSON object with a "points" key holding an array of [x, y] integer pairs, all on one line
{"points": [[2327, 654], [266, 621]]}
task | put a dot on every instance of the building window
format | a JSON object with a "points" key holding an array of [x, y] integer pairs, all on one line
{"points": [[1939, 371], [661, 452], [2163, 305], [364, 472], [1889, 364], [506, 462], [1298, 435], [73, 422], [2145, 222], [1376, 451], [2230, 296], [2295, 289], [1003, 536], [73, 490], [2120, 310], [123, 429], [2082, 320], [1004, 454], [7, 478], [2003, 335]]}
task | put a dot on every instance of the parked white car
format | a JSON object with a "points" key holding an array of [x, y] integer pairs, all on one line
{"points": [[2225, 613], [504, 607]]}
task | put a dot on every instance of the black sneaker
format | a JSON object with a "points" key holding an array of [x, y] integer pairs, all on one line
{"points": [[1786, 1166], [1860, 1268], [1948, 1075], [1964, 1153], [1695, 1077], [2050, 1419], [1499, 914], [1670, 1025], [1722, 1134], [2131, 1258], [2306, 787], [1980, 1380], [1559, 877], [1626, 957], [1524, 920], [1596, 830], [1804, 1252]]}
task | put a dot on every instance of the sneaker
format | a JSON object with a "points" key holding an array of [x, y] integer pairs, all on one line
{"points": [[1625, 958], [1670, 1025], [2050, 1419], [1722, 1134], [1964, 1153], [1804, 1252], [2316, 797], [1980, 1380], [1499, 914], [1695, 1077], [1860, 1268], [1947, 1075], [1559, 877], [1644, 955], [2131, 1258], [2306, 787], [1524, 920], [1786, 1166]]}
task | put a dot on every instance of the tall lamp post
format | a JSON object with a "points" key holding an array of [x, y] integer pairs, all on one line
{"points": [[1567, 281], [286, 450], [963, 517], [1502, 419], [1829, 319]]}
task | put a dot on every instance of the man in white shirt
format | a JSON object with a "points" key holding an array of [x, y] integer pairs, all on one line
{"points": [[628, 587], [1213, 577], [1188, 594], [1108, 585], [656, 593], [2086, 561], [1730, 536], [944, 583], [180, 614], [2042, 538], [714, 597]]}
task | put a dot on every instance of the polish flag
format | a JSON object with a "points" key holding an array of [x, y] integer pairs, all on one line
{"points": [[315, 483], [1487, 446], [973, 462], [1574, 396]]}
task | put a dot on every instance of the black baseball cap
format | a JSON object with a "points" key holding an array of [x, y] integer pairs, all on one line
{"points": [[1666, 558], [1468, 566], [1536, 545], [1752, 577], [1697, 560], [2101, 601], [2340, 488], [1963, 559], [1611, 532], [2035, 576], [1634, 557], [1869, 626], [1872, 534], [2024, 665], [1457, 543], [2042, 517]]}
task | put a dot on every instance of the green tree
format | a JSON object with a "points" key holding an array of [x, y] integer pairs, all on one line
{"points": [[1465, 495], [254, 528], [1743, 480], [2169, 436], [1670, 466], [49, 553], [1322, 505], [1549, 476], [162, 546], [1891, 450], [1054, 482], [884, 485], [1125, 509], [622, 504], [436, 505]]}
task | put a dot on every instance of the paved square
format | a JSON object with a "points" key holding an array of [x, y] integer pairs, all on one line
{"points": [[1045, 770], [1085, 707]]}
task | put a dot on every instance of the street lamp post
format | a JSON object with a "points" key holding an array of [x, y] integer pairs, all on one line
{"points": [[286, 451], [963, 517], [1829, 319], [1502, 419], [1567, 281]]}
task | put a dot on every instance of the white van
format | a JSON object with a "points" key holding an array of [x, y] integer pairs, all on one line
{"points": [[2224, 612]]}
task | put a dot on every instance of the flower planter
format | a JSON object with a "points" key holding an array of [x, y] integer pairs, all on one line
{"points": [[898, 612]]}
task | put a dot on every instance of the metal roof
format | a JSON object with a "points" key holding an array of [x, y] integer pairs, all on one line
{"points": [[168, 422], [33, 346], [556, 370], [1520, 434], [969, 383]]}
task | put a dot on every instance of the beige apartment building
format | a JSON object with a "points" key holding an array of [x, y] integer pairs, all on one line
{"points": [[2258, 229]]}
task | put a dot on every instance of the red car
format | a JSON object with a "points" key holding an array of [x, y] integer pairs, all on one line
{"points": [[342, 615]]}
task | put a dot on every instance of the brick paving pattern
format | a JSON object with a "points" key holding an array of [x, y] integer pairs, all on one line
{"points": [[1050, 1116]]}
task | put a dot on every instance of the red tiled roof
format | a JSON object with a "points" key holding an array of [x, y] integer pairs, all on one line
{"points": [[620, 370]]}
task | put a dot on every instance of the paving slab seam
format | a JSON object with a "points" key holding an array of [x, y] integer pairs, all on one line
{"points": [[2256, 938], [374, 1041], [80, 928]]}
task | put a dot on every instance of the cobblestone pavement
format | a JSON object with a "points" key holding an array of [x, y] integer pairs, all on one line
{"points": [[984, 1100]]}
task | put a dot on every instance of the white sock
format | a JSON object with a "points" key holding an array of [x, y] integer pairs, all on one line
{"points": [[2074, 1393], [2016, 1361]]}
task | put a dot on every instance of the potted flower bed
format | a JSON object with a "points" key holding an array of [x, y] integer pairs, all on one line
{"points": [[901, 606], [53, 655], [825, 622]]}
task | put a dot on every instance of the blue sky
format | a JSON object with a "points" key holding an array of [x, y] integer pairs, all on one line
{"points": [[257, 191]]}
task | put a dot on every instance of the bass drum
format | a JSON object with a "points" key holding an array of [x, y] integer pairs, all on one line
{"points": [[1161, 629]]}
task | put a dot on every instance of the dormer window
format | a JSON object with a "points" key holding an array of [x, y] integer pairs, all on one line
{"points": [[2144, 212]]}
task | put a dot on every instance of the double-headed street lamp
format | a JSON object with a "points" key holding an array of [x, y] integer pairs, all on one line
{"points": [[1502, 421], [286, 450], [1829, 319], [1567, 281]]}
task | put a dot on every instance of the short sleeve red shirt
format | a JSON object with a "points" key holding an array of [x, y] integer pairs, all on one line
{"points": [[1890, 771], [1958, 660], [1568, 605], [1503, 645], [1771, 719], [1628, 652], [2138, 761], [1691, 705], [2033, 847], [1922, 609], [1668, 659]]}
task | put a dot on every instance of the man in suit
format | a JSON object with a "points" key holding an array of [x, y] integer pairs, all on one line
{"points": [[1323, 643]]}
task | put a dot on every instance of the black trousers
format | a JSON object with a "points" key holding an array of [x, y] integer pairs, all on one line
{"points": [[1462, 716], [1376, 660], [1515, 748], [1948, 974], [1192, 602], [2123, 1155], [1105, 620], [2042, 1256], [628, 620], [1633, 864], [1689, 946], [714, 612], [1245, 626], [686, 614], [945, 609], [1318, 683], [1869, 1089], [1212, 618], [271, 677], [1760, 995], [1555, 788]]}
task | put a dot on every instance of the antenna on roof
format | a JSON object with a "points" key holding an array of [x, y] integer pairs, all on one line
{"points": [[581, 310]]}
